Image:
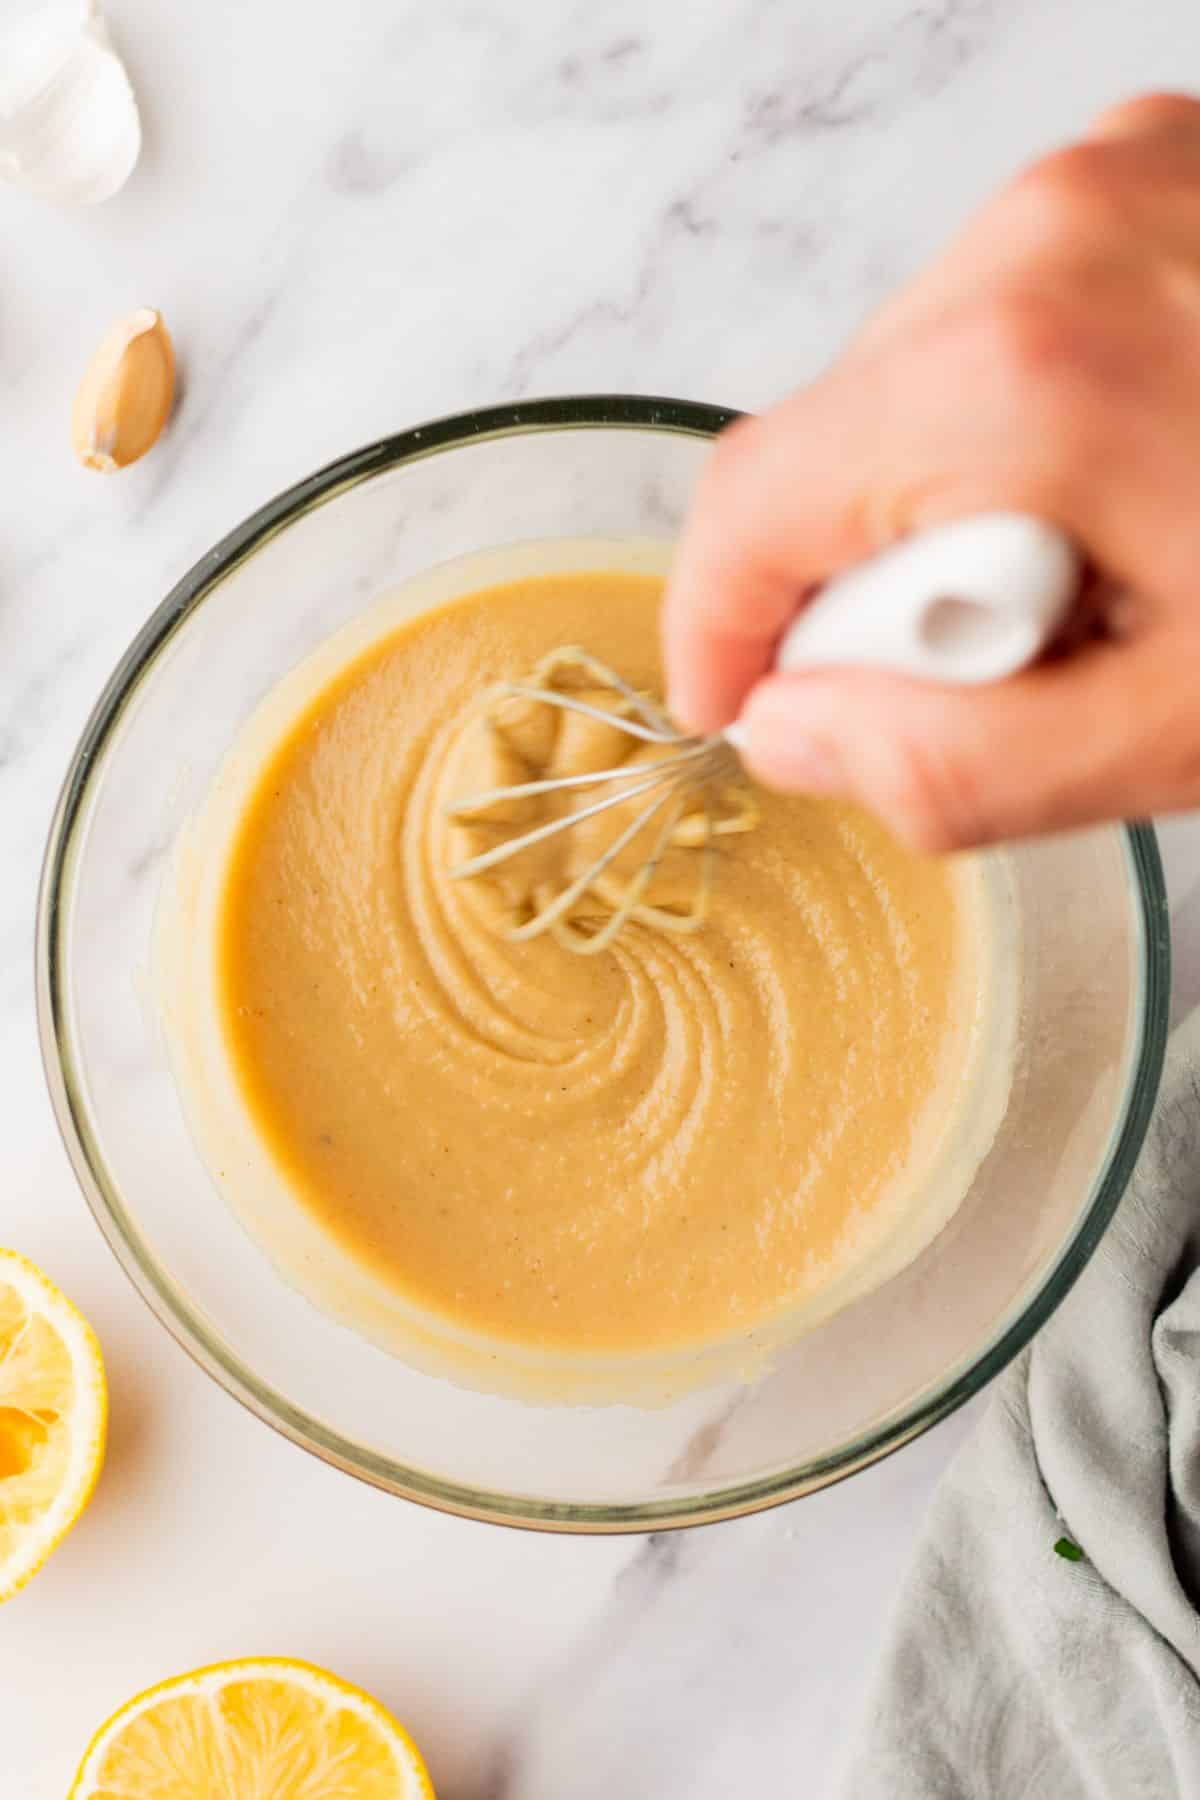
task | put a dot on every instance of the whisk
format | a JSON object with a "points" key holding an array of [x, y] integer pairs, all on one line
{"points": [[966, 603]]}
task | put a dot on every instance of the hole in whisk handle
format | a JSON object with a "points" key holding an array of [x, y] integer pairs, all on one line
{"points": [[969, 602]]}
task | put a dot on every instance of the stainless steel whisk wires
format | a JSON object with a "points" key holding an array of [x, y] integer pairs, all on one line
{"points": [[669, 785], [966, 603]]}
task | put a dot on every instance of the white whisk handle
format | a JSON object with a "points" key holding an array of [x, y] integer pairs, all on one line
{"points": [[963, 603]]}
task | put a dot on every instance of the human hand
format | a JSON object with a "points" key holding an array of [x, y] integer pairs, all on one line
{"points": [[1049, 363]]}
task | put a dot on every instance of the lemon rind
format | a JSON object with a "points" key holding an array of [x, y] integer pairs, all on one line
{"points": [[308, 1676], [89, 1421]]}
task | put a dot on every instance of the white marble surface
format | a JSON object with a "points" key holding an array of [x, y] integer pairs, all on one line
{"points": [[356, 217]]}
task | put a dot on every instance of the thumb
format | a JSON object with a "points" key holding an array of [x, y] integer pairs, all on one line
{"points": [[1064, 744]]}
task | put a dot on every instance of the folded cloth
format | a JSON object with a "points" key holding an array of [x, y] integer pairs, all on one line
{"points": [[1014, 1672]]}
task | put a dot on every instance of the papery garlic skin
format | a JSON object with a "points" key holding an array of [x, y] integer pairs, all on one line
{"points": [[69, 124]]}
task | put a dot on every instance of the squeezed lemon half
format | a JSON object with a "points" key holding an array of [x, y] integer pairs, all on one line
{"points": [[266, 1726], [53, 1418]]}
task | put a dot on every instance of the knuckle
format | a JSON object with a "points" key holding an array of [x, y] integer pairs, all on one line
{"points": [[1030, 333], [1070, 197], [1150, 115], [931, 802], [1056, 371], [1054, 374]]}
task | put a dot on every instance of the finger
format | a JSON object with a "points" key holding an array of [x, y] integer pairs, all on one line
{"points": [[953, 768], [882, 446], [776, 510]]}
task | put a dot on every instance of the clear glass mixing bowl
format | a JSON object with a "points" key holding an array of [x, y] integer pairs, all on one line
{"points": [[1093, 1008]]}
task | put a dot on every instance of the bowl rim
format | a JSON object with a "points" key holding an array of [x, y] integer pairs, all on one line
{"points": [[184, 1322]]}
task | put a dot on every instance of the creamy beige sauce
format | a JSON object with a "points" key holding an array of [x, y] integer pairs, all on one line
{"points": [[500, 1157]]}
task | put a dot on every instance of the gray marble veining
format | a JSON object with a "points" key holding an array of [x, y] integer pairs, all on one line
{"points": [[354, 220]]}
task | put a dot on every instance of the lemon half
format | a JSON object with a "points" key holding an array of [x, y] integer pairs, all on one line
{"points": [[263, 1727], [53, 1417]]}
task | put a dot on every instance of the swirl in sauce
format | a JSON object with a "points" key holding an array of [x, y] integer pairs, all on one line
{"points": [[665, 1145]]}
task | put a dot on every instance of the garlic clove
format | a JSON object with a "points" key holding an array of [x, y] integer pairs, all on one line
{"points": [[69, 125], [124, 399]]}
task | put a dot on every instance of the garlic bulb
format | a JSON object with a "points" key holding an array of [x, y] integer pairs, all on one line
{"points": [[69, 126]]}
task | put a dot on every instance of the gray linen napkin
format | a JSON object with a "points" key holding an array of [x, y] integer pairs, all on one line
{"points": [[1012, 1673]]}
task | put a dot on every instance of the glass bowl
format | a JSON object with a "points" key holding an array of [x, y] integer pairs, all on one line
{"points": [[1092, 1002]]}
